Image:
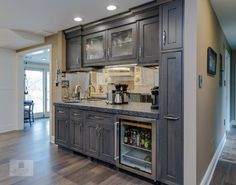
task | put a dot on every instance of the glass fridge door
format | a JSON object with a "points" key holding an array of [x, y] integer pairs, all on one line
{"points": [[136, 145]]}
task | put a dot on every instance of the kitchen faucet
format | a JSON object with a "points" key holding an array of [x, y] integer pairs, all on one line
{"points": [[88, 91]]}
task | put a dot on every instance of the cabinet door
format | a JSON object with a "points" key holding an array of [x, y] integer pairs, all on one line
{"points": [[149, 50], [61, 136], [171, 127], [172, 25], [94, 49], [122, 43], [76, 134], [73, 54], [106, 138], [91, 138]]}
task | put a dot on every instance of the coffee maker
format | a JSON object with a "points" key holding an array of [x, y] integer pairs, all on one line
{"points": [[155, 97], [125, 94], [118, 94]]}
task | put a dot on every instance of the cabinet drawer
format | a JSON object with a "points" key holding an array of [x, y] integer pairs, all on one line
{"points": [[99, 117], [76, 114], [62, 112]]}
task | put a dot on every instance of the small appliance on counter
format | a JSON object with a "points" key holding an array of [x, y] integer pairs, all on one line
{"points": [[118, 97], [155, 97], [125, 93], [117, 94]]}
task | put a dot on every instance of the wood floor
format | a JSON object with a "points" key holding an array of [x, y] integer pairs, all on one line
{"points": [[225, 172], [53, 165]]}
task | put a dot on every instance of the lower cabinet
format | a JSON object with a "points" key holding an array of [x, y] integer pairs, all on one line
{"points": [[76, 130], [62, 126], [99, 136], [90, 133], [106, 145], [91, 139]]}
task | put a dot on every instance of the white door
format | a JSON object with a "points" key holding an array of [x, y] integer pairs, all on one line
{"points": [[37, 85]]}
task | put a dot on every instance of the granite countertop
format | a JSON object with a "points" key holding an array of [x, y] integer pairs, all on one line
{"points": [[131, 109]]}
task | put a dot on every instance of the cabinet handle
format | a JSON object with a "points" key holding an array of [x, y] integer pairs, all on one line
{"points": [[171, 117], [77, 59], [75, 114], [164, 37], [60, 112], [140, 52], [96, 117], [116, 157], [105, 53], [99, 131], [108, 52]]}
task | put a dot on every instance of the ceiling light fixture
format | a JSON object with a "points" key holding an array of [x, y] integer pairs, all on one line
{"points": [[111, 7], [44, 59], [78, 19]]}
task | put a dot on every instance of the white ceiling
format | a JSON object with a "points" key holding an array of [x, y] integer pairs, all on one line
{"points": [[41, 57], [226, 13], [45, 17]]}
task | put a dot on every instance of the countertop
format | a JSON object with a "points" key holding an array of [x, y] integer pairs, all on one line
{"points": [[131, 109]]}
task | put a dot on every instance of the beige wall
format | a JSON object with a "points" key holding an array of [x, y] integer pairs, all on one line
{"points": [[57, 41], [210, 127]]}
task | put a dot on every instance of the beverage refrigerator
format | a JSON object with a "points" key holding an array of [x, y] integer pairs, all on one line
{"points": [[136, 145]]}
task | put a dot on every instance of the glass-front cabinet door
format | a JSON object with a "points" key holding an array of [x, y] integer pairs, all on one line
{"points": [[122, 43], [94, 49]]}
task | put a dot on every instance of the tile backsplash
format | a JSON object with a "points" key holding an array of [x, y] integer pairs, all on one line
{"points": [[139, 79]]}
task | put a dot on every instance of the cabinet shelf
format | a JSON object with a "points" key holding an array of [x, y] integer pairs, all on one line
{"points": [[136, 147], [136, 160]]}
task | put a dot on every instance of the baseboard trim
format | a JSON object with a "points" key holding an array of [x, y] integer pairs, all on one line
{"points": [[7, 128], [52, 139], [211, 168]]}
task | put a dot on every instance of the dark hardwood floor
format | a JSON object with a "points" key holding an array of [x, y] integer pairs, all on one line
{"points": [[53, 165], [225, 172]]}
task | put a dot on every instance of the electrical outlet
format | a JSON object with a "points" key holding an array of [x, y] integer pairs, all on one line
{"points": [[224, 122]]}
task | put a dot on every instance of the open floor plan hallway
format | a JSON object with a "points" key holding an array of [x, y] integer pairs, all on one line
{"points": [[226, 168]]}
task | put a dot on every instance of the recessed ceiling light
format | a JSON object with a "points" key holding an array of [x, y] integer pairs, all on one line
{"points": [[111, 7], [44, 59], [78, 19]]}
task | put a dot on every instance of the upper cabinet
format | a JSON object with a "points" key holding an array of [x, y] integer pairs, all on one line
{"points": [[149, 45], [94, 49], [73, 54], [171, 16], [122, 43], [114, 46]]}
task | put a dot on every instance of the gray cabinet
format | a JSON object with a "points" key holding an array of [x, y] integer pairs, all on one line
{"points": [[62, 127], [122, 43], [149, 42], [91, 138], [171, 18], [94, 49], [171, 118], [73, 54], [76, 130], [73, 49], [106, 145], [99, 136]]}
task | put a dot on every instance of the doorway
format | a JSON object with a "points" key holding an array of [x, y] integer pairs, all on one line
{"points": [[37, 82]]}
